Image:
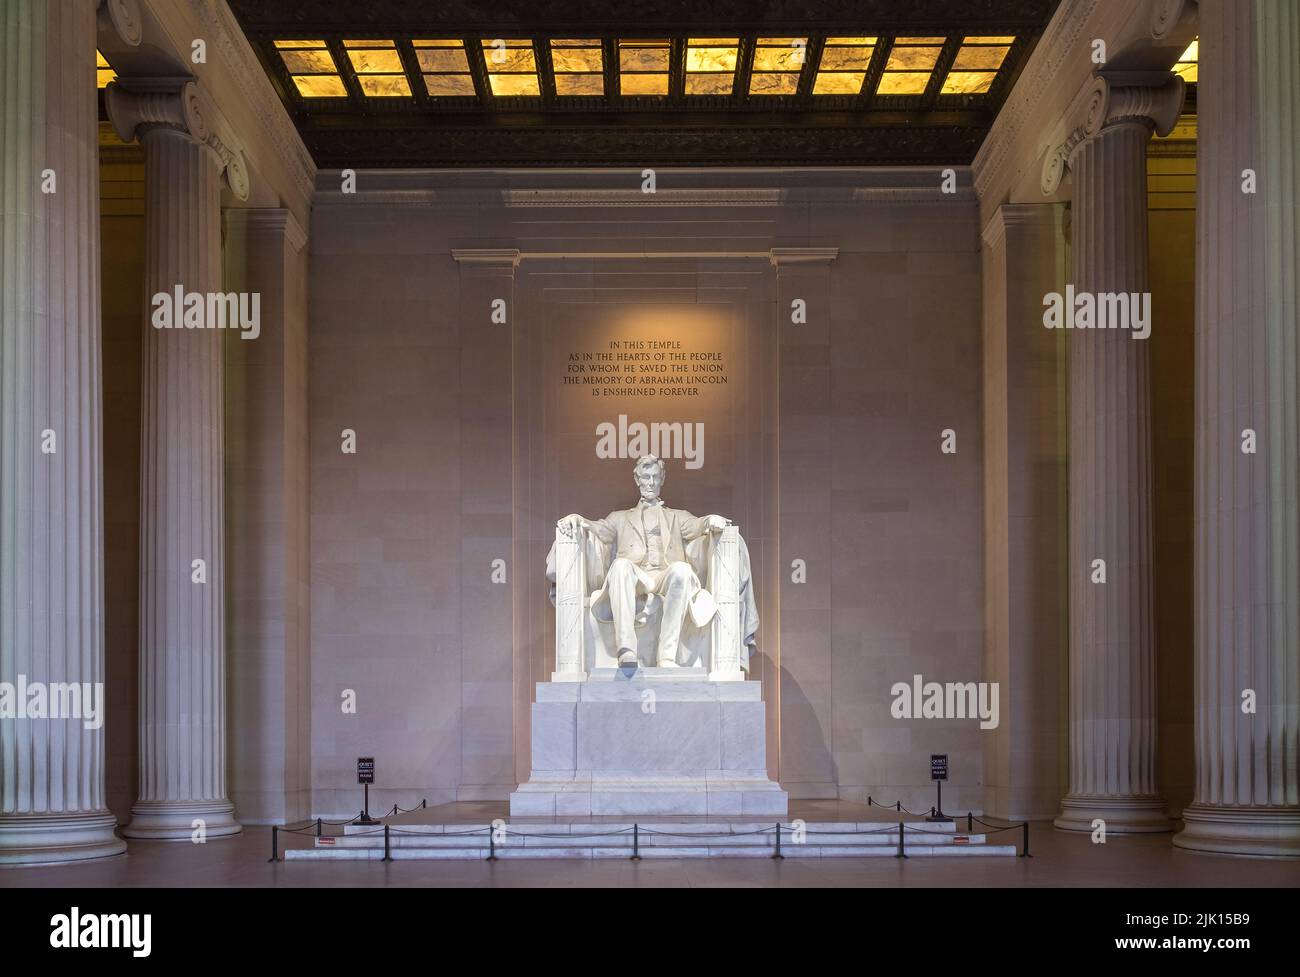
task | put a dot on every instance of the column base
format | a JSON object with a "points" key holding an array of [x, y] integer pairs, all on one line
{"points": [[1124, 814], [1266, 832], [52, 839], [174, 820]]}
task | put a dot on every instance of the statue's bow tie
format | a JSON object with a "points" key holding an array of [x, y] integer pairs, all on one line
{"points": [[651, 505]]}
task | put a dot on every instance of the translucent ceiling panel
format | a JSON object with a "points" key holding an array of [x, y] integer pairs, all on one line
{"points": [[312, 68], [379, 68], [976, 66], [643, 67], [511, 67], [843, 65], [778, 63], [711, 65], [579, 67], [444, 66], [911, 62]]}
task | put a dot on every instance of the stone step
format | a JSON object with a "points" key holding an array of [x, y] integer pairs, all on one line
{"points": [[645, 839], [683, 827], [648, 852]]}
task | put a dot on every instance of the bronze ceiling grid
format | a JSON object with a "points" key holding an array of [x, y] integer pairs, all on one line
{"points": [[548, 129]]}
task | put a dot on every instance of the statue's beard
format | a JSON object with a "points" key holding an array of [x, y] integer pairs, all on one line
{"points": [[649, 493]]}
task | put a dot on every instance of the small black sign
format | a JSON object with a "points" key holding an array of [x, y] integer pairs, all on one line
{"points": [[938, 766], [365, 770]]}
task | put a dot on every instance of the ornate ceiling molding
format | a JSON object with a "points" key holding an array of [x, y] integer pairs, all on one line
{"points": [[224, 31], [407, 193], [909, 144], [349, 129], [1036, 83]]}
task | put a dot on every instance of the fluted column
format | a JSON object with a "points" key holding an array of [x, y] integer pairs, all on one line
{"points": [[1112, 627], [52, 805], [1247, 625], [182, 568]]}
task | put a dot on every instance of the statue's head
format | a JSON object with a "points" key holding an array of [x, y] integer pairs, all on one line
{"points": [[649, 476]]}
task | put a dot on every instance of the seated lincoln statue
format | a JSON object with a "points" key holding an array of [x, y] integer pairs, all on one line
{"points": [[650, 562]]}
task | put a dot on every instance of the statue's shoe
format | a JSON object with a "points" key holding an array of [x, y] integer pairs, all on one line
{"points": [[669, 663], [627, 658]]}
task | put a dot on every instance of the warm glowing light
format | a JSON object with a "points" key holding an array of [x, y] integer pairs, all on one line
{"points": [[711, 65], [911, 62], [643, 67], [320, 86], [1186, 68], [843, 65], [379, 68], [579, 67], [444, 65], [976, 66], [312, 68], [104, 72], [511, 67]]}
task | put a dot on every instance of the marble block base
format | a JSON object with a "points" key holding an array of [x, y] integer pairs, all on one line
{"points": [[644, 745]]}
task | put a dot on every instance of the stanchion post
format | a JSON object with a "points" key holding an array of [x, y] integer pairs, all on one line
{"points": [[1025, 839], [901, 852], [492, 844], [424, 802], [777, 853], [898, 806], [275, 843], [318, 827], [388, 857], [636, 842], [970, 823]]}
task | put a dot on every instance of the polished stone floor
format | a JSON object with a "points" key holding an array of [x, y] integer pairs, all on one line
{"points": [[1060, 859]]}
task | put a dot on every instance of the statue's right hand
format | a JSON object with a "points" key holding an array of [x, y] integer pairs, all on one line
{"points": [[572, 524]]}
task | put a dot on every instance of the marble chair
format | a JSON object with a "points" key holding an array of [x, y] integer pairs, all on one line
{"points": [[583, 642]]}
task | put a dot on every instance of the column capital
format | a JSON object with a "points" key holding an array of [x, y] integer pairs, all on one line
{"points": [[1107, 100], [122, 18], [180, 104], [1174, 22]]}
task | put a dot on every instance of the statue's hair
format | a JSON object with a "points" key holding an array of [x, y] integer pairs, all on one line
{"points": [[652, 460]]}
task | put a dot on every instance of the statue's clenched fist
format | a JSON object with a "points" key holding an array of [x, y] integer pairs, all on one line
{"points": [[716, 524]]}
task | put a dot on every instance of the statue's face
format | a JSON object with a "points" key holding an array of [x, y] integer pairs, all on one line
{"points": [[649, 479]]}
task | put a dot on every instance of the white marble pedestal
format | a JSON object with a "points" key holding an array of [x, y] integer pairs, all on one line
{"points": [[667, 743]]}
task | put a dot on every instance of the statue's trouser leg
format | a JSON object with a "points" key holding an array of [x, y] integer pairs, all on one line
{"points": [[676, 589], [621, 585]]}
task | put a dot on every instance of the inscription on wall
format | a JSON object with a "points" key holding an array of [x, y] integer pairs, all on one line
{"points": [[647, 368]]}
